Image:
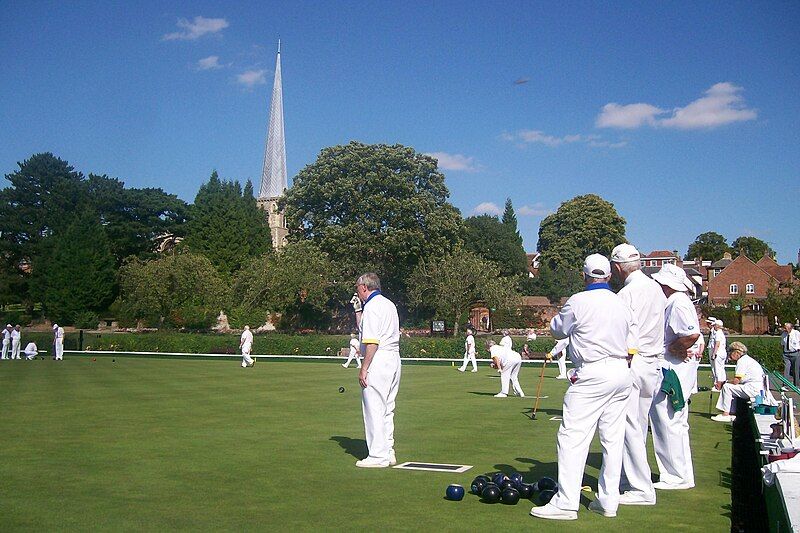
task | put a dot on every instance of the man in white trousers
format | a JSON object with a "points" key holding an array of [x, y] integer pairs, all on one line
{"points": [[15, 342], [380, 371], [601, 333], [508, 362], [31, 351], [246, 346], [747, 382], [6, 340], [718, 354], [58, 342], [355, 351], [683, 344], [646, 301], [469, 352], [560, 351]]}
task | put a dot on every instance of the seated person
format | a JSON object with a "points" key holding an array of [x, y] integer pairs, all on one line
{"points": [[31, 351], [747, 383]]}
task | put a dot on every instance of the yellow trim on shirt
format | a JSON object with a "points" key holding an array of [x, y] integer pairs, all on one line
{"points": [[370, 341], [633, 351], [740, 376]]}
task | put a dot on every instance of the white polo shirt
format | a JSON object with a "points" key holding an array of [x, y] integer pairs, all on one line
{"points": [[647, 302], [380, 325], [504, 355], [247, 338], [748, 370], [680, 319], [790, 342], [15, 335], [469, 345], [598, 323], [506, 342], [720, 344]]}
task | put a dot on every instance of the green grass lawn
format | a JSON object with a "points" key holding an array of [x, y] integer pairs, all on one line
{"points": [[160, 444]]}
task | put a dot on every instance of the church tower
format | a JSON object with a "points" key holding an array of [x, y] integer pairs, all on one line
{"points": [[273, 173]]}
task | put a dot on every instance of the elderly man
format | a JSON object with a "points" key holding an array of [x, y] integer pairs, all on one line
{"points": [[601, 333], [646, 301], [31, 351], [6, 340], [682, 346], [58, 342], [246, 346], [790, 342], [508, 362], [717, 354], [380, 371], [469, 351], [748, 382], [16, 338]]}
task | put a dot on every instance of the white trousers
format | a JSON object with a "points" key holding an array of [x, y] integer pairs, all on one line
{"points": [[5, 349], [671, 429], [510, 374], [15, 349], [246, 359], [731, 391], [58, 350], [595, 402], [350, 359], [646, 374], [469, 358], [718, 369], [378, 402], [562, 365], [30, 355]]}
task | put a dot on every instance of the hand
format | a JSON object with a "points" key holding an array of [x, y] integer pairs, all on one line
{"points": [[362, 377], [356, 302], [549, 357]]}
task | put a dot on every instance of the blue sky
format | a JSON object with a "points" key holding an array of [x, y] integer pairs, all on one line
{"points": [[683, 114]]}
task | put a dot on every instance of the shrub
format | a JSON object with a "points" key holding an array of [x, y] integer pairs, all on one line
{"points": [[87, 320]]}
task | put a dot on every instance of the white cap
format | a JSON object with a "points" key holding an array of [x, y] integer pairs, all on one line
{"points": [[8, 325], [55, 326], [597, 266], [711, 320], [718, 322], [673, 277], [624, 253]]}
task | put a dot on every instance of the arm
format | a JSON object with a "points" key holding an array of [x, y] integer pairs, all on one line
{"points": [[681, 344], [370, 350], [564, 322]]}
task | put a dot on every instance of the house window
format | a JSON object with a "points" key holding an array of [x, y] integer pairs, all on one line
{"points": [[652, 263], [750, 288], [734, 288]]}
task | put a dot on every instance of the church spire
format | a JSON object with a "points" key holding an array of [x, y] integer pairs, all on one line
{"points": [[273, 173]]}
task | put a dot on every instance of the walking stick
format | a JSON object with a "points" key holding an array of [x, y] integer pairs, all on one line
{"points": [[538, 390]]}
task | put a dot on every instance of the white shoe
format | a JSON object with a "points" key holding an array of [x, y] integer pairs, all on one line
{"points": [[392, 458], [595, 507], [344, 366], [552, 512], [371, 463], [461, 369], [521, 394], [723, 418], [474, 369], [635, 498], [561, 377], [663, 485], [501, 395]]}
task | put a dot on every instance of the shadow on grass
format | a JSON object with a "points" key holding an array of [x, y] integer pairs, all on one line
{"points": [[725, 479], [355, 447], [542, 412], [482, 393]]}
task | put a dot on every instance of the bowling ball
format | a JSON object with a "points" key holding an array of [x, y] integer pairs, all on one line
{"points": [[484, 477], [491, 494], [546, 483], [510, 496], [498, 478], [545, 496], [525, 491], [477, 486], [454, 493], [341, 389], [516, 477], [507, 484]]}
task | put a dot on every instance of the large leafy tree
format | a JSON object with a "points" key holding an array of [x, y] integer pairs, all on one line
{"points": [[226, 226], [449, 284], [295, 281], [76, 272], [752, 247], [133, 218], [373, 207], [584, 225], [710, 246], [174, 288], [497, 242], [555, 283]]}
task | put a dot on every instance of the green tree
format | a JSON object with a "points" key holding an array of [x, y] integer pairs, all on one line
{"points": [[449, 284], [752, 247], [553, 283], [373, 207], [710, 246], [173, 289], [509, 216], [582, 226], [226, 226], [497, 242], [294, 281], [76, 272]]}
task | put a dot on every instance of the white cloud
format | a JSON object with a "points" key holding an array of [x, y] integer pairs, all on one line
{"points": [[607, 144], [454, 161], [208, 63], [250, 78], [627, 116], [487, 208], [537, 136], [721, 105], [195, 29], [536, 210]]}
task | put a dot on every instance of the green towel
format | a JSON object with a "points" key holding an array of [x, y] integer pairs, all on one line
{"points": [[671, 386]]}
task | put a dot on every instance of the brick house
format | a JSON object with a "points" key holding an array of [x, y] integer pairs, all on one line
{"points": [[740, 278], [658, 258]]}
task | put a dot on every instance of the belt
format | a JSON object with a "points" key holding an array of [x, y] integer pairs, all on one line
{"points": [[793, 351]]}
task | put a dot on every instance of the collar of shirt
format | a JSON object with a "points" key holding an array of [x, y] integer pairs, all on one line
{"points": [[633, 275], [371, 296], [595, 286]]}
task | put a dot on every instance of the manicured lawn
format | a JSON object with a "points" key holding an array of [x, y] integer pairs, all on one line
{"points": [[162, 444]]}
